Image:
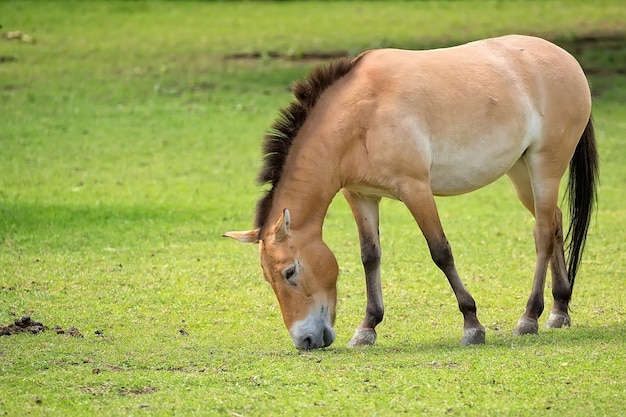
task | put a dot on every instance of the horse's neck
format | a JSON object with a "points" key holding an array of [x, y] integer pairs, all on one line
{"points": [[306, 188]]}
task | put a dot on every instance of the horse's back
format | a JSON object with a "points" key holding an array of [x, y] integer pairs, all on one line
{"points": [[467, 113], [512, 65]]}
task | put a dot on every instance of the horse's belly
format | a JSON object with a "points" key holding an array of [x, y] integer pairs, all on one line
{"points": [[472, 169], [448, 181], [481, 156]]}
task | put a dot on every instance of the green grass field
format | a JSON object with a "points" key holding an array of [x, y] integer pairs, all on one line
{"points": [[129, 142]]}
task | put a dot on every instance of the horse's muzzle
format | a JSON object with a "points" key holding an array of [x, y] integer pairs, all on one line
{"points": [[314, 332], [311, 341]]}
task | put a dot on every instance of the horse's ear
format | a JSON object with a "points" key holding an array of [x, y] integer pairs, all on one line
{"points": [[249, 236], [281, 229]]}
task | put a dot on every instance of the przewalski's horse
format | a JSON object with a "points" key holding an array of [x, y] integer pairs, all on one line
{"points": [[411, 125]]}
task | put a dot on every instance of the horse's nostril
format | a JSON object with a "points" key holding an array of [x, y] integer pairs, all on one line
{"points": [[329, 336], [307, 342]]}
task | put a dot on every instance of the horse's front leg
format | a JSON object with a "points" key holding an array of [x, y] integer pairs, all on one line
{"points": [[365, 211], [419, 199]]}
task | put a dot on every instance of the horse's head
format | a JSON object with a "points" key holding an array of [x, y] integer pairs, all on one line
{"points": [[303, 273]]}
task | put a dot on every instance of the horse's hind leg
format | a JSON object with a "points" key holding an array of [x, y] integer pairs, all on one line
{"points": [[548, 233], [365, 211], [561, 289], [418, 197]]}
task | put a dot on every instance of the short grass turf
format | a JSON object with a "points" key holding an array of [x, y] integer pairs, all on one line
{"points": [[129, 141]]}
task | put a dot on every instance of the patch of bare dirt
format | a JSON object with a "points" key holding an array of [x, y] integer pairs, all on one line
{"points": [[108, 389], [599, 53], [303, 56]]}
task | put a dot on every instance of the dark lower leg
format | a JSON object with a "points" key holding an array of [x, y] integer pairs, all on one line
{"points": [[418, 197], [561, 289], [528, 323], [365, 334], [365, 212], [474, 332]]}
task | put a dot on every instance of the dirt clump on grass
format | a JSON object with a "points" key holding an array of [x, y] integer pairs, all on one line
{"points": [[22, 325], [25, 324], [72, 331]]}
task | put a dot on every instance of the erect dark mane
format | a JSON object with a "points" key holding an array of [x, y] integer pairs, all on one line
{"points": [[278, 139]]}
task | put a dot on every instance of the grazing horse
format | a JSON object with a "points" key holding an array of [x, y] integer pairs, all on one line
{"points": [[411, 125]]}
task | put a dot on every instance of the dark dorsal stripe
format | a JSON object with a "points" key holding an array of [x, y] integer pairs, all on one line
{"points": [[278, 140]]}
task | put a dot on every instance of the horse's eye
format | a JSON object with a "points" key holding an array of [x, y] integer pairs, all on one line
{"points": [[290, 274]]}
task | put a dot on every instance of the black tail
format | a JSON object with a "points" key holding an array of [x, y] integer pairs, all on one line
{"points": [[581, 191]]}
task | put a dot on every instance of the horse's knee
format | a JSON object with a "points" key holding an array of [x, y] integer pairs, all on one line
{"points": [[370, 255]]}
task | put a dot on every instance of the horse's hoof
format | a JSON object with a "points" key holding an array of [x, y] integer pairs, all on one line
{"points": [[473, 337], [363, 337], [526, 326], [558, 320]]}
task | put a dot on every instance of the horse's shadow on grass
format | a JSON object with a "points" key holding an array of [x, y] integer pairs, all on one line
{"points": [[553, 339], [579, 335]]}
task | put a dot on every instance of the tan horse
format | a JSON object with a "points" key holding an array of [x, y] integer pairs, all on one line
{"points": [[410, 125]]}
